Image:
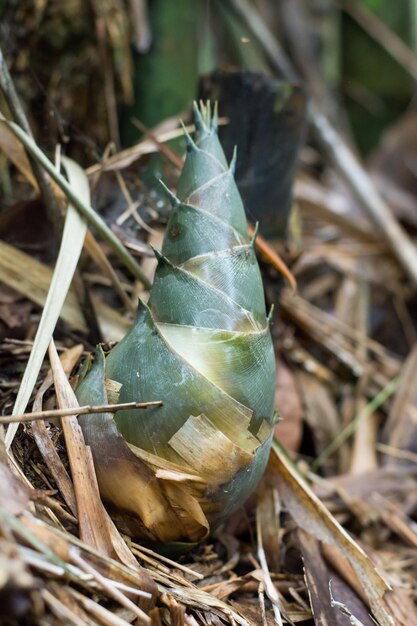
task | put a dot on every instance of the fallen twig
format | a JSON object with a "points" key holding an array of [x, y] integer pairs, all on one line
{"points": [[82, 410]]}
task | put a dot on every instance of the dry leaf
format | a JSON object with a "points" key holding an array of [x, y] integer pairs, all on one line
{"points": [[43, 440], [289, 429], [313, 517], [96, 527], [318, 577], [14, 151]]}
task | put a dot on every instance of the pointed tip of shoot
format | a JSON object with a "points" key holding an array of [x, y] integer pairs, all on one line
{"points": [[215, 117], [161, 258], [158, 254], [276, 417], [269, 319], [171, 196], [198, 118], [99, 352], [232, 166], [205, 112], [255, 234], [191, 146], [205, 118]]}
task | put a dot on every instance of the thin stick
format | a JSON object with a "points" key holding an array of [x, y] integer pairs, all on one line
{"points": [[87, 211], [60, 609], [94, 249], [108, 586], [139, 548], [170, 154], [273, 258], [82, 410], [271, 591], [103, 615]]}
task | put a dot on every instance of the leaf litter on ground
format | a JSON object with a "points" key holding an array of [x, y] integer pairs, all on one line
{"points": [[335, 547]]}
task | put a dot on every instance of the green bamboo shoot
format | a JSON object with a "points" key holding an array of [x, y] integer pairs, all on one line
{"points": [[202, 345]]}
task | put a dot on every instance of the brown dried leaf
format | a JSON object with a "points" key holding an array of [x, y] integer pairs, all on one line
{"points": [[320, 410], [289, 430], [96, 527], [313, 517], [43, 440], [401, 427], [32, 279], [318, 577], [14, 151]]}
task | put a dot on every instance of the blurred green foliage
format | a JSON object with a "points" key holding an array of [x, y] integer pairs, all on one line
{"points": [[165, 78], [377, 89]]}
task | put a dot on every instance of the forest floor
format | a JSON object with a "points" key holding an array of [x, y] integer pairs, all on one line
{"points": [[330, 537]]}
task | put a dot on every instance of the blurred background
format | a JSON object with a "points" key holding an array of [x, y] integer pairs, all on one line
{"points": [[88, 69], [320, 98]]}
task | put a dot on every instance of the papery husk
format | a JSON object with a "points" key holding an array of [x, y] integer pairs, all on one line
{"points": [[203, 347]]}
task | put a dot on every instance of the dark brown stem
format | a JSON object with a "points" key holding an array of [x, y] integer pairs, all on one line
{"points": [[16, 109]]}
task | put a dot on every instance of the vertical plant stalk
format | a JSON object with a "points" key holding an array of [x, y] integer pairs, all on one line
{"points": [[203, 346]]}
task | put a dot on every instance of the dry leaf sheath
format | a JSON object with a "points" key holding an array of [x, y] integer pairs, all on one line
{"points": [[202, 345]]}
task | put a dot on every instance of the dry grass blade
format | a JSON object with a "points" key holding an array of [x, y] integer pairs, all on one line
{"points": [[110, 588], [313, 517], [317, 576], [35, 284], [96, 610], [15, 152], [400, 429], [43, 440], [126, 157], [71, 246], [96, 527]]}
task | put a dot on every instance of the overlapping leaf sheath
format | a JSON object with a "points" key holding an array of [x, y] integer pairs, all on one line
{"points": [[202, 345]]}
